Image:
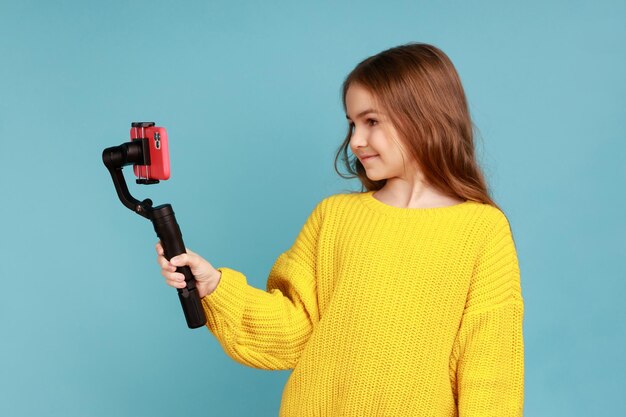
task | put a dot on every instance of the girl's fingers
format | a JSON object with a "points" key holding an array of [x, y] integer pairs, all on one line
{"points": [[176, 276], [164, 264], [174, 279], [176, 284]]}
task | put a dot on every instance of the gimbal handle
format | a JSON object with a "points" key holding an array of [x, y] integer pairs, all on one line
{"points": [[168, 231], [163, 220]]}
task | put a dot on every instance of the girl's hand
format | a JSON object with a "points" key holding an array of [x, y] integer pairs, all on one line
{"points": [[206, 276]]}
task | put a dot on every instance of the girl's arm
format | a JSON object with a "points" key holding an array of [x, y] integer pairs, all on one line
{"points": [[487, 361], [269, 329]]}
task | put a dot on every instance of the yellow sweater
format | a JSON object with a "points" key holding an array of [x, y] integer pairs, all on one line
{"points": [[385, 311]]}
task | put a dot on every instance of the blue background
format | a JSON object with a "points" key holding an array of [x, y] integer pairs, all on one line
{"points": [[250, 95]]}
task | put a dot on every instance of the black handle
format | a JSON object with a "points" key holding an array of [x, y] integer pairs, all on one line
{"points": [[167, 230]]}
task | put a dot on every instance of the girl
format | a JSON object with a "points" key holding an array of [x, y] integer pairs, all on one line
{"points": [[400, 300]]}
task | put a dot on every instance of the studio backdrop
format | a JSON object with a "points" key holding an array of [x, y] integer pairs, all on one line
{"points": [[249, 93]]}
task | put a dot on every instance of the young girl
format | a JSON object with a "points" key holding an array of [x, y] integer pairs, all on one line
{"points": [[400, 300]]}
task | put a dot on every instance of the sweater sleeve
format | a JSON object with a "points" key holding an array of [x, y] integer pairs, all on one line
{"points": [[269, 329], [487, 361]]}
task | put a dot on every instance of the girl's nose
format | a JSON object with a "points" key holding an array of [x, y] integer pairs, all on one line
{"points": [[357, 140]]}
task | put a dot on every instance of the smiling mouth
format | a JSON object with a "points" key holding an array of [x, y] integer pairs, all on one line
{"points": [[369, 157]]}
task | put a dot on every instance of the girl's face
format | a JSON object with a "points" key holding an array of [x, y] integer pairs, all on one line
{"points": [[374, 140]]}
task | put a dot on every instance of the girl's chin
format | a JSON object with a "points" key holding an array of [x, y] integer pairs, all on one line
{"points": [[373, 177]]}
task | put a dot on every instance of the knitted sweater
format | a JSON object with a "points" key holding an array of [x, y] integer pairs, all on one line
{"points": [[385, 311]]}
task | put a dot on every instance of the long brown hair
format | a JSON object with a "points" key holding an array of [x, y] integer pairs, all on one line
{"points": [[420, 90]]}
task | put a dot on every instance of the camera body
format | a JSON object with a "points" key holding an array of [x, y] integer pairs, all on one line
{"points": [[158, 155]]}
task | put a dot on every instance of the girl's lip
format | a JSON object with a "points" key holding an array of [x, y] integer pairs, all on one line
{"points": [[368, 157]]}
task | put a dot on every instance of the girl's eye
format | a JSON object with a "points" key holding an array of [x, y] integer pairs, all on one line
{"points": [[370, 122]]}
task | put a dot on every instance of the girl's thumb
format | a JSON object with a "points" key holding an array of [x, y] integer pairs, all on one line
{"points": [[180, 260], [188, 258]]}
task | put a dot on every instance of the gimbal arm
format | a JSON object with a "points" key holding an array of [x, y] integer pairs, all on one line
{"points": [[116, 158]]}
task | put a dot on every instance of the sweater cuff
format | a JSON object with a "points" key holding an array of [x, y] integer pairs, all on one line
{"points": [[225, 305]]}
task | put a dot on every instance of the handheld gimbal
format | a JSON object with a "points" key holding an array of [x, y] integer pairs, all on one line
{"points": [[137, 152]]}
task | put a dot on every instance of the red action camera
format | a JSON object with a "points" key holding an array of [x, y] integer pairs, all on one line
{"points": [[158, 167]]}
